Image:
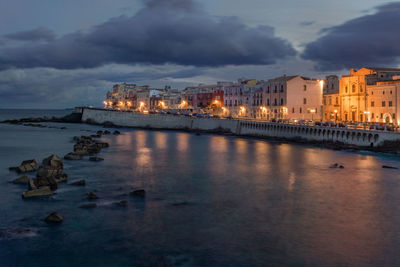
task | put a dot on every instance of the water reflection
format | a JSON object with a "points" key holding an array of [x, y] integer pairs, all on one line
{"points": [[161, 140], [259, 203]]}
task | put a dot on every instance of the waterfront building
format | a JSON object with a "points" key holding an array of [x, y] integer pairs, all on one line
{"points": [[237, 97], [353, 91], [293, 98], [331, 99], [384, 102]]}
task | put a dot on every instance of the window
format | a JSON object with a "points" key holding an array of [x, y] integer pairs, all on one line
{"points": [[324, 100], [275, 90], [353, 88], [372, 92], [300, 110], [372, 104], [361, 88], [393, 116], [383, 92], [390, 103], [230, 103], [281, 88], [383, 104], [305, 89], [281, 101], [390, 91], [235, 102], [268, 89], [330, 100], [381, 115], [268, 102], [275, 102], [346, 89], [337, 101], [292, 110], [304, 101], [372, 115]]}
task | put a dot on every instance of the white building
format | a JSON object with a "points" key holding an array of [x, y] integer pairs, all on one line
{"points": [[293, 98]]}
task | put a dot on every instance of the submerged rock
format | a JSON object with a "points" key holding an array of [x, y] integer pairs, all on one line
{"points": [[61, 178], [54, 217], [96, 159], [116, 132], [40, 192], [92, 196], [122, 203], [106, 132], [99, 132], [335, 165], [140, 193], [88, 206], [21, 180], [73, 156], [79, 183], [389, 167]]}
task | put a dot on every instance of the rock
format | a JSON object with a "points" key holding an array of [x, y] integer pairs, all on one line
{"points": [[139, 193], [31, 184], [63, 128], [73, 156], [54, 217], [48, 171], [335, 165], [92, 196], [102, 144], [53, 161], [40, 192], [95, 136], [389, 167], [96, 159], [106, 132], [21, 180], [61, 178], [27, 166], [122, 203], [116, 132], [45, 181], [99, 132], [341, 167], [198, 134], [88, 206], [13, 169], [79, 183]]}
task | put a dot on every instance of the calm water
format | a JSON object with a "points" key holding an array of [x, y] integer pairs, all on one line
{"points": [[211, 201]]}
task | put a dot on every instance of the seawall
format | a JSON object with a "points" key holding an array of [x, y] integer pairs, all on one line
{"points": [[343, 137]]}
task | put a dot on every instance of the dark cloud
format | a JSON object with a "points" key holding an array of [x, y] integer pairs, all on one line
{"points": [[38, 34], [52, 88], [364, 41], [173, 31]]}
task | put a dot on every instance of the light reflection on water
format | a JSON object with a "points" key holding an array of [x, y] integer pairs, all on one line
{"points": [[211, 201]]}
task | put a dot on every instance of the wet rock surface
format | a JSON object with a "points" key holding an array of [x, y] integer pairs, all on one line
{"points": [[139, 193], [79, 183], [39, 192], [54, 218]]}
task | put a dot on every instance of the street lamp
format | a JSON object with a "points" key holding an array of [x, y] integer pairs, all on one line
{"points": [[312, 114], [336, 112]]}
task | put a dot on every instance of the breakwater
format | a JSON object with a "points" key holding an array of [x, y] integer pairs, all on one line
{"points": [[340, 137]]}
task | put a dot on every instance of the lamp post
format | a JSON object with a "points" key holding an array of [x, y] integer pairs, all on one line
{"points": [[366, 113], [335, 114]]}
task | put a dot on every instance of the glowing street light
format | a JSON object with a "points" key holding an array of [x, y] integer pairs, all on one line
{"points": [[321, 83]]}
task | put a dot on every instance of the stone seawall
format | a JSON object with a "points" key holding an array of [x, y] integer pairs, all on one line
{"points": [[389, 141]]}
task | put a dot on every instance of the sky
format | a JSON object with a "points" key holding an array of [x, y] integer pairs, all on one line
{"points": [[61, 54]]}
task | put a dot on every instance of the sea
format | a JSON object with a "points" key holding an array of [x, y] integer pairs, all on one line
{"points": [[211, 200]]}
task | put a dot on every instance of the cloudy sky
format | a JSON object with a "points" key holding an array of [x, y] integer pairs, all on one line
{"points": [[58, 54]]}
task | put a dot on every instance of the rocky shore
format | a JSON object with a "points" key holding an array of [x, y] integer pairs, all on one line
{"points": [[48, 174]]}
